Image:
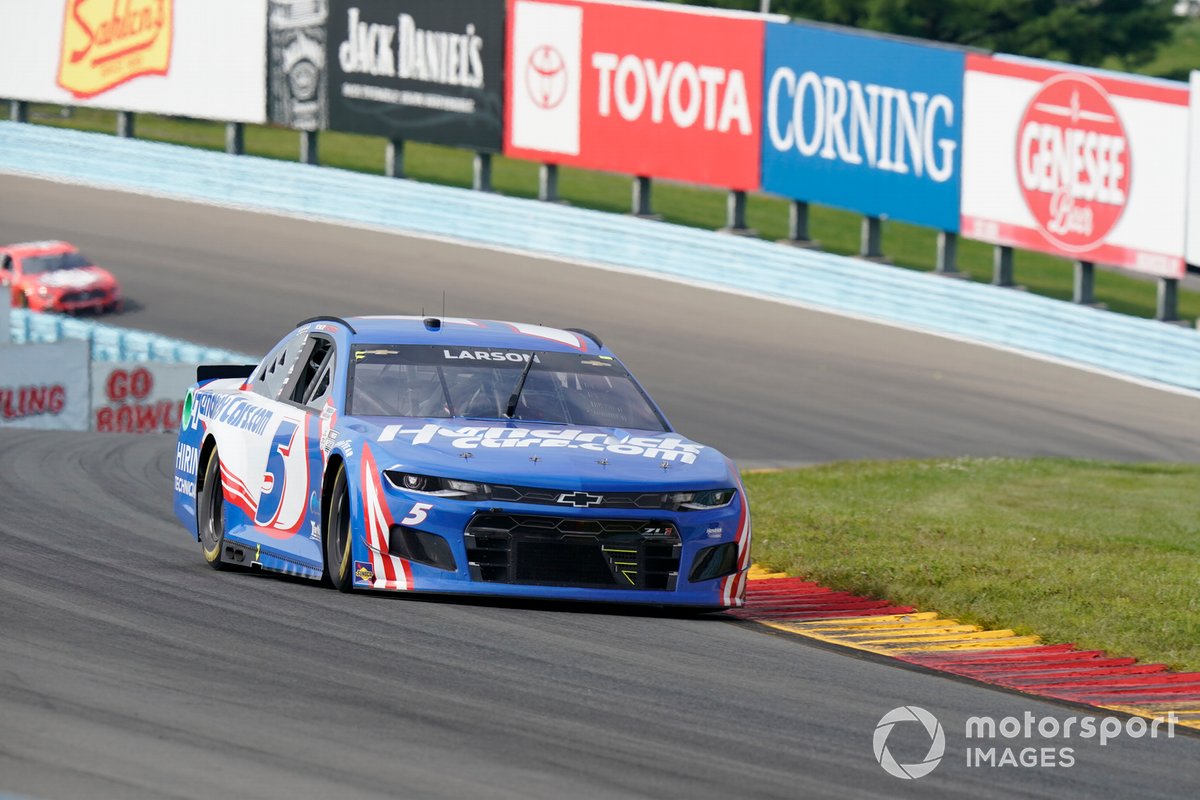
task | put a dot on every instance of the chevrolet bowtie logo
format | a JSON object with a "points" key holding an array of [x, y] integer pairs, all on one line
{"points": [[581, 499]]}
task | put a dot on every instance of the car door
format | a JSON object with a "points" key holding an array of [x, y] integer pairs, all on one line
{"points": [[268, 442]]}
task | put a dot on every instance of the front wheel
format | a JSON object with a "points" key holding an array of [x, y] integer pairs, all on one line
{"points": [[210, 513], [339, 559]]}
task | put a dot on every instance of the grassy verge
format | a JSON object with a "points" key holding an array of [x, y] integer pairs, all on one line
{"points": [[1104, 555], [909, 246]]}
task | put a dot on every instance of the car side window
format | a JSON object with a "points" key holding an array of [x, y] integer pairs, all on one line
{"points": [[6, 262], [274, 371], [309, 370], [323, 385]]}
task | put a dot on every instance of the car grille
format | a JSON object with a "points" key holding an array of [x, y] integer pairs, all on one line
{"points": [[573, 551], [646, 501], [82, 297]]}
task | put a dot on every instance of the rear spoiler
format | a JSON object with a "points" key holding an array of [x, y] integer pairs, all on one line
{"points": [[212, 372]]}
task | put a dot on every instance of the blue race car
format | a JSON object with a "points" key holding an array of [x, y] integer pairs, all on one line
{"points": [[459, 456]]}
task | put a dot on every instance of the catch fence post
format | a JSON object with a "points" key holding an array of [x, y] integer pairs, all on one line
{"points": [[1085, 283], [481, 179], [548, 183], [393, 159], [1168, 300], [18, 111], [1002, 266], [235, 138], [125, 127], [947, 254], [871, 241], [798, 226], [308, 147], [641, 197], [735, 214]]}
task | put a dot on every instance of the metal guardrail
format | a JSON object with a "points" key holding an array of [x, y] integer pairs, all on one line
{"points": [[111, 344], [1128, 345]]}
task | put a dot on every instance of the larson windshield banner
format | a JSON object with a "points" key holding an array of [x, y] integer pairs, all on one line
{"points": [[427, 70], [1082, 164], [645, 89], [194, 58], [863, 122]]}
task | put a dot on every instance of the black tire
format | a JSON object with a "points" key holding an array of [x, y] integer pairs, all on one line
{"points": [[339, 556], [210, 513]]}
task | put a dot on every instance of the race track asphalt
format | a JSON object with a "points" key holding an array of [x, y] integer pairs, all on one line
{"points": [[129, 669]]}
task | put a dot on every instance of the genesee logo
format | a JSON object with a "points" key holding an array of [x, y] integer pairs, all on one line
{"points": [[1073, 161], [106, 44]]}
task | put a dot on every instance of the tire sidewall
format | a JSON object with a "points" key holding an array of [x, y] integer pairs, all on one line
{"points": [[204, 511], [339, 555]]}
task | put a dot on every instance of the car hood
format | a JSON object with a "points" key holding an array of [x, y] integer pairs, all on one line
{"points": [[79, 278], [544, 454]]}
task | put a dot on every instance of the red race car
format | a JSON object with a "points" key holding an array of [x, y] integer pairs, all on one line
{"points": [[54, 276]]}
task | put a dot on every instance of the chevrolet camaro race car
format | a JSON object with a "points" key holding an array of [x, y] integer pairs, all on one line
{"points": [[460, 456], [54, 276]]}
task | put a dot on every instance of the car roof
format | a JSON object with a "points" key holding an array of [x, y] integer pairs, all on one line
{"points": [[38, 248], [470, 333]]}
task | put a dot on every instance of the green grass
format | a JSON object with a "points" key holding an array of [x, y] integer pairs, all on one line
{"points": [[907, 245], [1104, 555]]}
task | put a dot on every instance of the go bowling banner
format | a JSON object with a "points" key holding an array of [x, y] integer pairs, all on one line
{"points": [[139, 397], [45, 386], [1086, 165]]}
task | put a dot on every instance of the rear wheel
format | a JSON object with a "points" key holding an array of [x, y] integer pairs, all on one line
{"points": [[210, 513], [339, 558]]}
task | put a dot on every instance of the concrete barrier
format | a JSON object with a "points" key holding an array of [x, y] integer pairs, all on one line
{"points": [[111, 343]]}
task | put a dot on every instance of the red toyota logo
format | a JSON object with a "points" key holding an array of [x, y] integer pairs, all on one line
{"points": [[546, 76], [1073, 162]]}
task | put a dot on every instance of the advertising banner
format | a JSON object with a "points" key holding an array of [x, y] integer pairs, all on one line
{"points": [[652, 90], [297, 87], [863, 122], [44, 385], [1193, 188], [139, 397], [1086, 165], [195, 58], [418, 69]]}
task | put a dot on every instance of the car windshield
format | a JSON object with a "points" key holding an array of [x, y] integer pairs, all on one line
{"points": [[32, 265], [432, 381]]}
